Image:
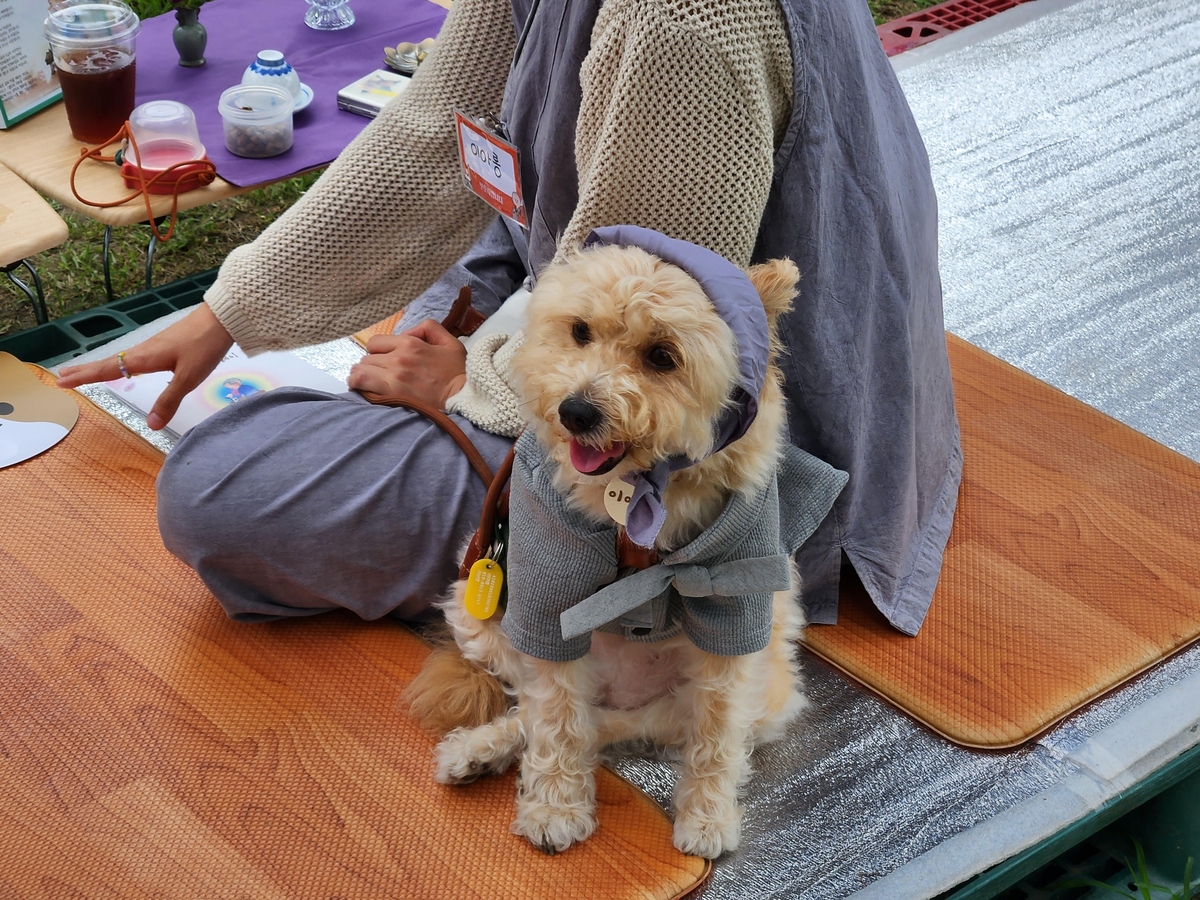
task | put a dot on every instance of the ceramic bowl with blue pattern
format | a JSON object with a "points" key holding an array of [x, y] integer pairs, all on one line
{"points": [[270, 68]]}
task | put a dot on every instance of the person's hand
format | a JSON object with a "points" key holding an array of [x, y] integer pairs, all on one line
{"points": [[191, 348], [425, 363]]}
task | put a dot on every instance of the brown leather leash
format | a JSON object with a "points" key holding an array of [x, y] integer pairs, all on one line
{"points": [[462, 321]]}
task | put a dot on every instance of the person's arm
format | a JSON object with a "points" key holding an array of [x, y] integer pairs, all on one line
{"points": [[388, 217], [681, 110]]}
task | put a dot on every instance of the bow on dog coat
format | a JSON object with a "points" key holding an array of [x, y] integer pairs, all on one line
{"points": [[718, 588]]}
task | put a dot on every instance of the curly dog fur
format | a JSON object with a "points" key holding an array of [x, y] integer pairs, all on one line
{"points": [[715, 709]]}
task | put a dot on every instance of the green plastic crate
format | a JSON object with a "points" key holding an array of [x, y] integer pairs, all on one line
{"points": [[1090, 848], [63, 339]]}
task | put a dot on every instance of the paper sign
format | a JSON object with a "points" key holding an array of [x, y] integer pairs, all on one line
{"points": [[28, 82]]}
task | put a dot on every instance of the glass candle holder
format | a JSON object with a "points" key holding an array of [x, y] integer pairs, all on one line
{"points": [[329, 15]]}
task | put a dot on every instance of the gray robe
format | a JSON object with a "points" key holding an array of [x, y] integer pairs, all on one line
{"points": [[852, 203]]}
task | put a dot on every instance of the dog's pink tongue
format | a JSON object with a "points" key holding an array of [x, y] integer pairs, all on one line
{"points": [[588, 459]]}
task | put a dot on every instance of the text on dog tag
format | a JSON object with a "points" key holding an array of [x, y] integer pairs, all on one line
{"points": [[484, 583], [617, 495]]}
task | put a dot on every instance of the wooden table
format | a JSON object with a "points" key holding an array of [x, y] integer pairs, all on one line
{"points": [[28, 226], [27, 223], [41, 151]]}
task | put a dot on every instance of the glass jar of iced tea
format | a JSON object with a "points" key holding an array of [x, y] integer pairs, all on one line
{"points": [[93, 46]]}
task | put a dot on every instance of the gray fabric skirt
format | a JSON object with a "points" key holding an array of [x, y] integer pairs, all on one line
{"points": [[295, 502]]}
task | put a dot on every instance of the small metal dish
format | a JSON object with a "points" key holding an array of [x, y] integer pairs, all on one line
{"points": [[406, 56]]}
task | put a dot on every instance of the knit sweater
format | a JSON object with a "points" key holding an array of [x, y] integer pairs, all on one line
{"points": [[677, 95], [717, 589]]}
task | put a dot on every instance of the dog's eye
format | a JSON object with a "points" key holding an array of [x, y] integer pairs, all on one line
{"points": [[581, 333], [660, 358]]}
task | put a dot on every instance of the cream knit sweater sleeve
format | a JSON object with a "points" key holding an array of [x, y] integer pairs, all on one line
{"points": [[683, 104], [388, 217]]}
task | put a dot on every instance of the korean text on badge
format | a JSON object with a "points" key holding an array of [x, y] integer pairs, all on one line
{"points": [[491, 168]]}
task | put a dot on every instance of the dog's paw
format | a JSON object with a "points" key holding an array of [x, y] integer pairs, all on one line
{"points": [[704, 835], [462, 757], [552, 829]]}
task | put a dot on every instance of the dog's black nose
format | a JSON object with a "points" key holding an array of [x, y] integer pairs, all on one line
{"points": [[578, 415]]}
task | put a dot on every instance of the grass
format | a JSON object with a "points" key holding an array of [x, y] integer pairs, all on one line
{"points": [[1139, 885], [73, 274], [886, 10]]}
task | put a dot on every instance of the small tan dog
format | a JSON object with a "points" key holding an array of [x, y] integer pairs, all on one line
{"points": [[627, 363]]}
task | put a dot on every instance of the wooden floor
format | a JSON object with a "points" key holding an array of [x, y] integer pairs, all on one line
{"points": [[1073, 565], [149, 747]]}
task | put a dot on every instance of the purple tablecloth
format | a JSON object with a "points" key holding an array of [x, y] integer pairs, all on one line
{"points": [[325, 60]]}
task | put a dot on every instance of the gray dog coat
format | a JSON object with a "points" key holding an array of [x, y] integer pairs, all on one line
{"points": [[562, 566]]}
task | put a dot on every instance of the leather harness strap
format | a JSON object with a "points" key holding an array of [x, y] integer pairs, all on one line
{"points": [[631, 556], [462, 321], [495, 508]]}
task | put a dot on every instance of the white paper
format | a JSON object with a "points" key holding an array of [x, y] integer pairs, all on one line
{"points": [[235, 378]]}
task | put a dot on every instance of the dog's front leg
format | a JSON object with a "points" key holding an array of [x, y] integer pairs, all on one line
{"points": [[716, 753], [556, 799], [466, 753]]}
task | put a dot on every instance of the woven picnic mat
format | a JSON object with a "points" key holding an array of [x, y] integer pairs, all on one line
{"points": [[149, 747], [1073, 565], [387, 326]]}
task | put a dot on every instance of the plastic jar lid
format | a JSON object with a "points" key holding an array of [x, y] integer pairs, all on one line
{"points": [[90, 23], [255, 104], [165, 120], [164, 115]]}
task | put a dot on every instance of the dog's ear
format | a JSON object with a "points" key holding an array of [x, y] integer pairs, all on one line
{"points": [[776, 283]]}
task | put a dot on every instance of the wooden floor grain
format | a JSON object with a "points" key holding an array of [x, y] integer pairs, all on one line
{"points": [[1073, 565], [149, 747]]}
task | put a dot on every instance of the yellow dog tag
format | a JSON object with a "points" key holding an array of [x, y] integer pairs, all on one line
{"points": [[484, 584]]}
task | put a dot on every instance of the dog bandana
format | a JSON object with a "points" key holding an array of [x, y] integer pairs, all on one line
{"points": [[736, 301]]}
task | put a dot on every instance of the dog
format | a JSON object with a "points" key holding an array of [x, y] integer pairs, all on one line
{"points": [[629, 370]]}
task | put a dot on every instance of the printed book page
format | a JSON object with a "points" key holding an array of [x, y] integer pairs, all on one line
{"points": [[234, 379]]}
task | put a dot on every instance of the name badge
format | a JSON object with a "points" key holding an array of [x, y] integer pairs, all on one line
{"points": [[617, 495], [491, 168]]}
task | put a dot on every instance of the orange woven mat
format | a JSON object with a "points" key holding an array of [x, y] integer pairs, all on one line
{"points": [[149, 747], [387, 326], [1073, 565]]}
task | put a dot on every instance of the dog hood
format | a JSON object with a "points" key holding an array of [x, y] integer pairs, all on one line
{"points": [[737, 302]]}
